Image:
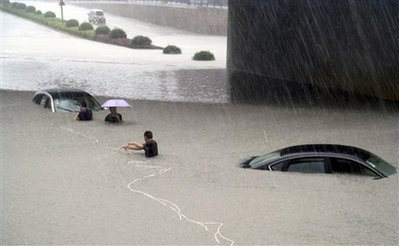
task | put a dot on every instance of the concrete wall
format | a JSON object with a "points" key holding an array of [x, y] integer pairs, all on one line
{"points": [[198, 20], [349, 45]]}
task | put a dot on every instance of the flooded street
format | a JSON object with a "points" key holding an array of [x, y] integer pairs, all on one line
{"points": [[77, 188], [68, 182], [51, 59]]}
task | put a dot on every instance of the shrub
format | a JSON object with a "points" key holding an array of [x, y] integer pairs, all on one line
{"points": [[171, 49], [21, 6], [117, 33], [5, 2], [38, 12], [85, 26], [141, 41], [30, 9], [14, 5], [204, 56], [49, 14], [103, 30], [71, 23]]}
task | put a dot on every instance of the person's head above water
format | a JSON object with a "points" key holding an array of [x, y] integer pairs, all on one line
{"points": [[113, 110], [147, 136]]}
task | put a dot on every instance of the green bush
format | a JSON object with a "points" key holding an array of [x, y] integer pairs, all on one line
{"points": [[71, 23], [117, 33], [204, 56], [38, 12], [171, 49], [141, 41], [85, 26], [30, 9], [14, 5], [5, 2], [103, 30], [49, 14], [21, 6]]}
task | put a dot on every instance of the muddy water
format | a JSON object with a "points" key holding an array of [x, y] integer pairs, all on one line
{"points": [[63, 182]]}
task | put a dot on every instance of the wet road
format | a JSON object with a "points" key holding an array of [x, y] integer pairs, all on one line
{"points": [[35, 57], [161, 36]]}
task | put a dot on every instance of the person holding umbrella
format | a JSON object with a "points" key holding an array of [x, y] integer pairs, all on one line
{"points": [[113, 116]]}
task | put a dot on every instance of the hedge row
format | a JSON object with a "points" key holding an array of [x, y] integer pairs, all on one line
{"points": [[85, 30], [49, 19]]}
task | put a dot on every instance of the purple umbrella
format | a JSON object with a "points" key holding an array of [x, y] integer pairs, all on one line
{"points": [[117, 103]]}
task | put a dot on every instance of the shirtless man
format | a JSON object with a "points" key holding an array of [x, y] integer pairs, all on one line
{"points": [[150, 147]]}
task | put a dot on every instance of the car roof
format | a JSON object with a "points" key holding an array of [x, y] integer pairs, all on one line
{"points": [[96, 10], [326, 149], [55, 93]]}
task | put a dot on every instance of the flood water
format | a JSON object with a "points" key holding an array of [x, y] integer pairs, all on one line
{"points": [[35, 57], [68, 182]]}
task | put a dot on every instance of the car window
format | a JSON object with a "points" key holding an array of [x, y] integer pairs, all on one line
{"points": [[381, 165], [67, 105], [278, 166], [45, 102], [37, 99], [263, 159], [307, 165], [92, 103], [343, 166]]}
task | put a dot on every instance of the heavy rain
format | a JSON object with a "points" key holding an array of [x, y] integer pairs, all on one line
{"points": [[253, 77]]}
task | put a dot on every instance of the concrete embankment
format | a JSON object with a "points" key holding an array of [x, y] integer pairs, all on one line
{"points": [[198, 20]]}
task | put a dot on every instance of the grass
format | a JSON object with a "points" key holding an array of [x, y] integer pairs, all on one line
{"points": [[54, 23]]}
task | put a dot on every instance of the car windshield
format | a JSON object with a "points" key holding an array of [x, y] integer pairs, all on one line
{"points": [[381, 165], [262, 159], [99, 13]]}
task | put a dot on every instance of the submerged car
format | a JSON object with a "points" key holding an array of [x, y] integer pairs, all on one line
{"points": [[65, 100], [322, 158], [96, 16]]}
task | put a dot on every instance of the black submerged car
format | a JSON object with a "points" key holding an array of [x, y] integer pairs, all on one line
{"points": [[65, 100], [322, 158]]}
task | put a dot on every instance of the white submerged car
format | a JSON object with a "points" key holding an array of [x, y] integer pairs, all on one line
{"points": [[65, 100]]}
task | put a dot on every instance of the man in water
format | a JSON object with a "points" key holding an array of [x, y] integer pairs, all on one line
{"points": [[150, 147], [85, 113], [113, 117]]}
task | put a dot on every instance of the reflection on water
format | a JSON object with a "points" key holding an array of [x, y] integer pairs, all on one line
{"points": [[138, 81]]}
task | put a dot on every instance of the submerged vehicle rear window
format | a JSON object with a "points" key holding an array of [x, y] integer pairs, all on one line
{"points": [[381, 165]]}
